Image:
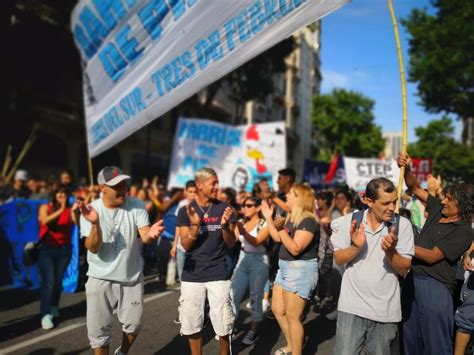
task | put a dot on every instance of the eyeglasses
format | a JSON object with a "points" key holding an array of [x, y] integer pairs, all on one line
{"points": [[248, 205]]}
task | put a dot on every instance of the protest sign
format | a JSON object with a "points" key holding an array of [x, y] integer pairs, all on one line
{"points": [[421, 168], [141, 58], [240, 155], [359, 171], [19, 225], [315, 173]]}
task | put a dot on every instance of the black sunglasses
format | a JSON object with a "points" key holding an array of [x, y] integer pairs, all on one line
{"points": [[248, 205]]}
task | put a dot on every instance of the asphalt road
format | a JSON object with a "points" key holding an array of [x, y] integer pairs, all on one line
{"points": [[21, 333]]}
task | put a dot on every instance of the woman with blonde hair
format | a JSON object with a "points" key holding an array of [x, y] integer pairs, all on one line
{"points": [[298, 266]]}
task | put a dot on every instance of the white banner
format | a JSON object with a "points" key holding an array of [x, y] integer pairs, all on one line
{"points": [[359, 171], [240, 155], [143, 57]]}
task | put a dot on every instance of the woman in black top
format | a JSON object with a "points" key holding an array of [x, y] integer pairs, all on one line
{"points": [[298, 273]]}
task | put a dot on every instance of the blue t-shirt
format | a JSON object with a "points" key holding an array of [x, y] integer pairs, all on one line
{"points": [[169, 222], [206, 261]]}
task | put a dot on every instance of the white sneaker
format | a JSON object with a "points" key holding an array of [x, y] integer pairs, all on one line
{"points": [[265, 305], [47, 322]]}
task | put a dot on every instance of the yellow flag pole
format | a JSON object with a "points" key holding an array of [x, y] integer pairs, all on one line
{"points": [[7, 161], [26, 147], [404, 98]]}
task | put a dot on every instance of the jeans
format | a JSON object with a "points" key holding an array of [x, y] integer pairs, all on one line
{"points": [[180, 257], [352, 331], [52, 263], [252, 271]]}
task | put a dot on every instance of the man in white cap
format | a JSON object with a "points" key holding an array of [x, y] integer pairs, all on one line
{"points": [[111, 226]]}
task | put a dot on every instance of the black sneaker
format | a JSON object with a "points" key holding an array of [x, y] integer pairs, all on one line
{"points": [[250, 338]]}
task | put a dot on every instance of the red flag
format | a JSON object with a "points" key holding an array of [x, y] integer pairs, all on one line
{"points": [[332, 170]]}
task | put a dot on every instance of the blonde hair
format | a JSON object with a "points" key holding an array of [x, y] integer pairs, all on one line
{"points": [[203, 174], [304, 205]]}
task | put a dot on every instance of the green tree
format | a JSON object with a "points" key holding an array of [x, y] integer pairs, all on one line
{"points": [[441, 56], [344, 123], [451, 160]]}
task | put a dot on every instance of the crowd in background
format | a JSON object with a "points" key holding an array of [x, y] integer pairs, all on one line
{"points": [[165, 257]]}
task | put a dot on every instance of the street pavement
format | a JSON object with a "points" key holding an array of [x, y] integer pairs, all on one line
{"points": [[21, 333]]}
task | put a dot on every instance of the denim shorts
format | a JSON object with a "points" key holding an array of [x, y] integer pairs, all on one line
{"points": [[298, 276]]}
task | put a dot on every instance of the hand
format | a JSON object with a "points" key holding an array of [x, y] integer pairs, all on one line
{"points": [[156, 230], [389, 242], [155, 180], [358, 236], [346, 209], [466, 262], [267, 211], [173, 252], [88, 212], [403, 160], [145, 183], [434, 184], [279, 223], [225, 217], [194, 218]]}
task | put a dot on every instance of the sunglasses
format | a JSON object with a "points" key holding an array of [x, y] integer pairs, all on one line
{"points": [[248, 205]]}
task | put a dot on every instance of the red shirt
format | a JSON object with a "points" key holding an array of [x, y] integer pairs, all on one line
{"points": [[58, 232]]}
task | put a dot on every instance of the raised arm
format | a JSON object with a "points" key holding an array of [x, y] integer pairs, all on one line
{"points": [[267, 212], [93, 241], [189, 234], [358, 240], [411, 181], [261, 237]]}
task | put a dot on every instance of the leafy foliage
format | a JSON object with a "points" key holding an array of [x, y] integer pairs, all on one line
{"points": [[344, 124], [441, 56]]}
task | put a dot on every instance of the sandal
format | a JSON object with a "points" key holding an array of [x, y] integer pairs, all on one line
{"points": [[282, 351]]}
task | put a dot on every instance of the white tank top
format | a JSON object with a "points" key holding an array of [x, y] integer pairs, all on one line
{"points": [[249, 248]]}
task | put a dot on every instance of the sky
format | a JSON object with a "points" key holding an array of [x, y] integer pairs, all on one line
{"points": [[358, 52]]}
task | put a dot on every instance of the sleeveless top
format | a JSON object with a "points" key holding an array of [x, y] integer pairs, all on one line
{"points": [[249, 248], [58, 232]]}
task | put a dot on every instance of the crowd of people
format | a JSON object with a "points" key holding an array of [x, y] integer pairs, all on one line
{"points": [[392, 280]]}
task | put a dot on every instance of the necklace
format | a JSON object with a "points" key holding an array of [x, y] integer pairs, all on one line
{"points": [[205, 213], [112, 215]]}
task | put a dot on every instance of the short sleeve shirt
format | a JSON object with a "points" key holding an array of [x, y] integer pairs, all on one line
{"points": [[119, 258], [370, 287], [451, 238], [206, 261], [311, 252]]}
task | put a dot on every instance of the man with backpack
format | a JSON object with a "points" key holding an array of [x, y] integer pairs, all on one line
{"points": [[377, 246]]}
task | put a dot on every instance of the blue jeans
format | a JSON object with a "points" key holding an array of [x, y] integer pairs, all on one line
{"points": [[428, 316], [180, 258], [352, 331], [252, 271], [52, 263]]}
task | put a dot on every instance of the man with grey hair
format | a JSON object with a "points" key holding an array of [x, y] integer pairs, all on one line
{"points": [[206, 226], [377, 247]]}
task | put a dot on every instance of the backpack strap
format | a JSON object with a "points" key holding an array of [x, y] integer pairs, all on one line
{"points": [[359, 215]]}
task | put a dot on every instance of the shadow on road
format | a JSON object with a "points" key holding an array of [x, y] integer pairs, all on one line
{"points": [[20, 326]]}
